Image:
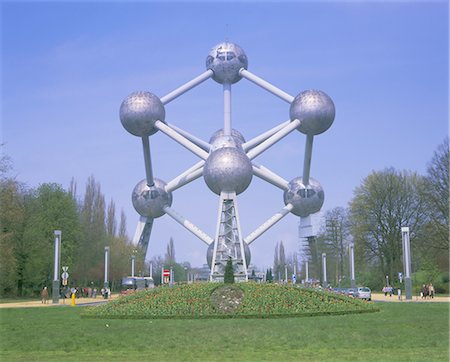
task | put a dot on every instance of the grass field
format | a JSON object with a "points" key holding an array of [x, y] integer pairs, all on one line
{"points": [[399, 332]]}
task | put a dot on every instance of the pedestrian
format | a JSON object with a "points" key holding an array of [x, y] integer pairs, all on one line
{"points": [[431, 291], [44, 295], [94, 293]]}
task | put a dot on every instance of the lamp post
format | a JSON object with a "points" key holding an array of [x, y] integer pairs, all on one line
{"points": [[133, 261], [106, 282], [407, 262], [56, 281], [352, 264], [324, 269]]}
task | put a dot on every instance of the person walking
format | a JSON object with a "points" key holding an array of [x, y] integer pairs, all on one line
{"points": [[431, 291], [44, 295]]}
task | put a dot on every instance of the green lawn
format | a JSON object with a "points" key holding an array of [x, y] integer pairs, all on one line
{"points": [[400, 331]]}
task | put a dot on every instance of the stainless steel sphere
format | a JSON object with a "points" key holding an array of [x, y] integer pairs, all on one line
{"points": [[228, 169], [150, 202], [225, 60], [218, 140], [210, 252], [315, 109], [305, 199], [139, 112]]}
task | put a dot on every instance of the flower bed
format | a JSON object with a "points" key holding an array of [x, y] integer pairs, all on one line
{"points": [[198, 301]]}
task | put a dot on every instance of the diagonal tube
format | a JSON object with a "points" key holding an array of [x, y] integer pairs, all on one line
{"points": [[266, 85], [269, 176], [262, 137], [273, 139], [181, 140], [186, 177], [197, 141], [268, 224], [187, 86], [188, 225]]}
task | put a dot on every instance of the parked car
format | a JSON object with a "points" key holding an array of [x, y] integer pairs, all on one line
{"points": [[363, 293], [351, 292]]}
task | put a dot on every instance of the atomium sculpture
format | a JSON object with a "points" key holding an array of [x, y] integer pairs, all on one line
{"points": [[226, 161]]}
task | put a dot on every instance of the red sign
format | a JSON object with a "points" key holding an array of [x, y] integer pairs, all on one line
{"points": [[166, 273]]}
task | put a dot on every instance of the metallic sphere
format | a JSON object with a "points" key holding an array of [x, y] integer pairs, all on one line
{"points": [[139, 112], [150, 202], [226, 60], [305, 199], [315, 109], [228, 169], [210, 252], [218, 140]]}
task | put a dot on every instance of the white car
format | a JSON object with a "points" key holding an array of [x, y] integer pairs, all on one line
{"points": [[363, 293]]}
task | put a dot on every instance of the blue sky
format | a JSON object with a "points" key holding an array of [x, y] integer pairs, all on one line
{"points": [[67, 66]]}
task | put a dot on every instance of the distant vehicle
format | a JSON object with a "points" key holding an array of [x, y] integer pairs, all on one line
{"points": [[351, 292], [363, 293], [131, 284]]}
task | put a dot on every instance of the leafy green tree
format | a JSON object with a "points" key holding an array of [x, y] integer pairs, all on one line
{"points": [[435, 234], [386, 201], [335, 235], [229, 274], [49, 208]]}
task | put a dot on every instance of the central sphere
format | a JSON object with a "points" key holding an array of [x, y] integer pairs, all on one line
{"points": [[226, 60], [228, 169]]}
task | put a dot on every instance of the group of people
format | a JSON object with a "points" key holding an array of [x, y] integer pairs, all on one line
{"points": [[427, 290]]}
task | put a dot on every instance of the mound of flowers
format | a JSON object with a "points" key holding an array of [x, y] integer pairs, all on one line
{"points": [[245, 300]]}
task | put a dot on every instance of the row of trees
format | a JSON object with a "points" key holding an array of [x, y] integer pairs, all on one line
{"points": [[384, 202], [28, 218]]}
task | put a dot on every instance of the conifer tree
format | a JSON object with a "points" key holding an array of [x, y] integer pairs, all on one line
{"points": [[229, 275]]}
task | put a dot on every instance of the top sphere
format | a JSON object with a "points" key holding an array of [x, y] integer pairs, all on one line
{"points": [[139, 112], [315, 109], [226, 60]]}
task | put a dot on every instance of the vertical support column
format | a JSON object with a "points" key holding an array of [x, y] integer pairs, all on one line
{"points": [[407, 262], [56, 281], [324, 269], [151, 270], [106, 281], [228, 241], [147, 161], [227, 109], [307, 159], [133, 261], [352, 265]]}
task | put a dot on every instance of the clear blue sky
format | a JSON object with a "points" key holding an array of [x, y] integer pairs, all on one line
{"points": [[66, 67]]}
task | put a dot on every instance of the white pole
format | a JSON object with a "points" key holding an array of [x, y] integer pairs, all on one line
{"points": [[56, 281], [352, 265], [262, 137], [189, 174], [324, 266], [306, 272], [407, 262], [227, 109], [151, 270], [106, 283], [197, 141], [133, 258]]}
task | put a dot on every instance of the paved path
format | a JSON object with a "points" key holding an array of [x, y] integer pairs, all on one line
{"points": [[62, 302], [379, 297]]}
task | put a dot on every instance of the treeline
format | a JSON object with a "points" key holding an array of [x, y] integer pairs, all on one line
{"points": [[384, 202], [28, 218]]}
